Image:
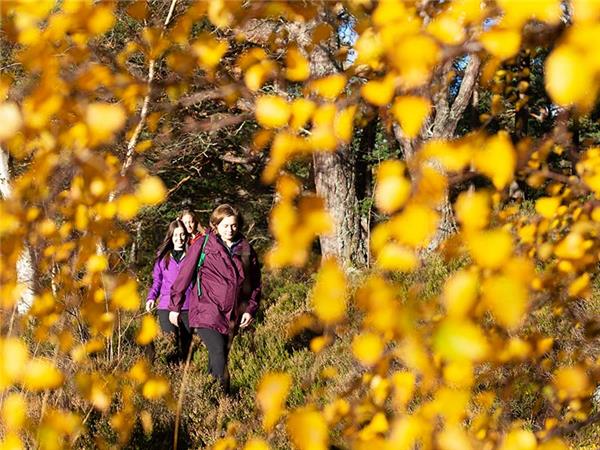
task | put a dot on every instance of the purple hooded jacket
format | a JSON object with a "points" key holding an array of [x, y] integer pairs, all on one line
{"points": [[162, 280], [227, 289]]}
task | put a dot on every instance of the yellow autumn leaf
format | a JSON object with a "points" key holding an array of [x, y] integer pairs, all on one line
{"points": [[379, 92], [317, 344], [97, 263], [569, 78], [473, 209], [101, 20], [392, 188], [584, 10], [148, 331], [460, 340], [506, 298], [301, 110], [367, 348], [460, 293], [415, 225], [259, 73], [151, 191], [329, 87], [448, 28], [571, 247], [256, 444], [209, 51], [329, 294], [343, 124], [453, 156], [394, 256], [490, 248], [547, 206], [369, 48], [579, 285], [14, 411], [104, 120], [226, 443], [126, 296], [517, 12], [140, 371], [271, 394], [40, 374], [11, 120], [501, 43], [497, 160], [13, 358], [272, 111], [453, 437], [297, 65], [11, 441], [308, 430], [411, 112], [127, 206], [378, 425], [571, 382], [519, 440], [459, 374], [155, 388]]}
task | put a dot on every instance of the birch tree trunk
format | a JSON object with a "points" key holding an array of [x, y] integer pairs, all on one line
{"points": [[25, 267]]}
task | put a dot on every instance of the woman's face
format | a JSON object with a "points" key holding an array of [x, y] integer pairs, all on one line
{"points": [[190, 223], [178, 238], [227, 228]]}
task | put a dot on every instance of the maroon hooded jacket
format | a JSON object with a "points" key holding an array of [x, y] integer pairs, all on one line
{"points": [[230, 281]]}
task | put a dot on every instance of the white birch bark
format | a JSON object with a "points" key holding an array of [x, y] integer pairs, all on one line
{"points": [[25, 270]]}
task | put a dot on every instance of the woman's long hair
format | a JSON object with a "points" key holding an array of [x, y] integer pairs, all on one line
{"points": [[189, 212], [164, 249]]}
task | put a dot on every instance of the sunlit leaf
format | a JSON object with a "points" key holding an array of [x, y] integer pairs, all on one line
{"points": [[497, 160], [392, 188], [367, 348], [272, 111], [148, 331], [308, 430], [502, 43], [271, 394], [329, 87], [410, 112], [10, 117], [490, 249], [329, 294], [297, 66], [460, 339], [151, 191], [104, 119], [155, 388], [40, 374]]}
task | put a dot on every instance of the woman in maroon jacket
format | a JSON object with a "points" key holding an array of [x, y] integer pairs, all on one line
{"points": [[224, 273]]}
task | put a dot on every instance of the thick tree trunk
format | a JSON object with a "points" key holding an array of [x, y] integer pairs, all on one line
{"points": [[335, 175], [335, 182], [443, 126], [25, 267]]}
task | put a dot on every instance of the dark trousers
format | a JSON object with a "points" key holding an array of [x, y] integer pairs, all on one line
{"points": [[217, 345], [183, 332]]}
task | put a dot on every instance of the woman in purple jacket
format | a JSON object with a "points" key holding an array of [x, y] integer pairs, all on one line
{"points": [[224, 273], [169, 260]]}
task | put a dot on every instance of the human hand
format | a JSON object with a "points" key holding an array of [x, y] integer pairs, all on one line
{"points": [[174, 318], [150, 305], [246, 320]]}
